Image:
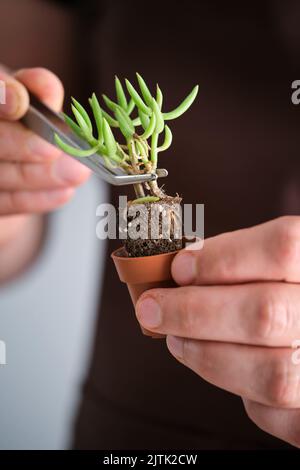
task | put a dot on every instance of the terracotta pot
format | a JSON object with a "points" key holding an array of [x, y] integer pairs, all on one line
{"points": [[143, 273]]}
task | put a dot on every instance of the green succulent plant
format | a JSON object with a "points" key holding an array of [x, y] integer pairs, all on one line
{"points": [[139, 152]]}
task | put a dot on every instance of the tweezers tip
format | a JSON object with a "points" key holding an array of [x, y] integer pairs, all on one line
{"points": [[161, 172]]}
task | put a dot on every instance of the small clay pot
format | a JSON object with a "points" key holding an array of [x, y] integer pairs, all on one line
{"points": [[143, 273]]}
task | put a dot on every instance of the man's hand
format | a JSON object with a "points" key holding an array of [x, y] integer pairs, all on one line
{"points": [[35, 177], [235, 318]]}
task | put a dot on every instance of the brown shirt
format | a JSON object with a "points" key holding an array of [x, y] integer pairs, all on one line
{"points": [[237, 151]]}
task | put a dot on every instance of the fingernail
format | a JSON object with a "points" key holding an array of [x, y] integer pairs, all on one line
{"points": [[40, 147], [184, 268], [149, 313], [10, 107], [69, 170], [175, 346]]}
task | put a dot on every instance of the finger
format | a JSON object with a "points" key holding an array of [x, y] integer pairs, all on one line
{"points": [[19, 144], [281, 423], [21, 202], [264, 314], [269, 252], [44, 84], [265, 375], [62, 172], [16, 98]]}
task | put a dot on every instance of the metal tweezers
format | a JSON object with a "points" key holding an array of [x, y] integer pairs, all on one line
{"points": [[44, 122]]}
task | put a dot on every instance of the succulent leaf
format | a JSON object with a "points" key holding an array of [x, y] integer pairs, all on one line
{"points": [[75, 152], [144, 89], [184, 106], [109, 140], [83, 113], [120, 94], [137, 99]]}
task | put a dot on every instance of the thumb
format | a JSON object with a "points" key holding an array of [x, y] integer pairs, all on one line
{"points": [[14, 98], [44, 84]]}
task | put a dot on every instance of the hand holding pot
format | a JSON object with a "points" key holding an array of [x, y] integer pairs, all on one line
{"points": [[236, 318]]}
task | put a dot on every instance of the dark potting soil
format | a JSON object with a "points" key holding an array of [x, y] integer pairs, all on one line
{"points": [[169, 227]]}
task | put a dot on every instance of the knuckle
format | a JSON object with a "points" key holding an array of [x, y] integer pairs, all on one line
{"points": [[22, 174], [205, 361], [5, 139], [188, 312], [2, 133], [6, 203], [47, 174], [273, 315], [226, 266], [201, 357], [19, 202], [283, 386], [9, 203], [15, 202], [287, 244]]}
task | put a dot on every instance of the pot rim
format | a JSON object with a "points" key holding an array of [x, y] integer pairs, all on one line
{"points": [[121, 248], [114, 254]]}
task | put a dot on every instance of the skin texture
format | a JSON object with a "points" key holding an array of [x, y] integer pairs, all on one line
{"points": [[235, 316], [35, 177]]}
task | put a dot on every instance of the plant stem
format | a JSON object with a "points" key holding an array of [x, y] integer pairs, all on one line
{"points": [[154, 140], [139, 190], [155, 190]]}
